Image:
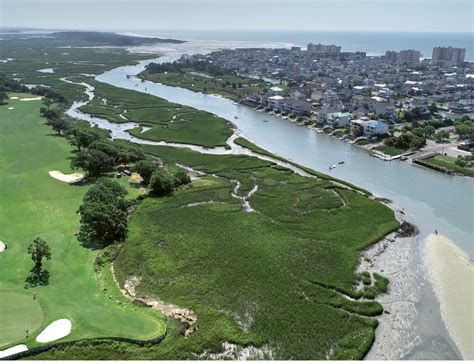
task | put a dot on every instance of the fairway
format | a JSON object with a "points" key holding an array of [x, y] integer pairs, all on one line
{"points": [[33, 204]]}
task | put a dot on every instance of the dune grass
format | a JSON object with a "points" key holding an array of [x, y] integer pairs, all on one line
{"points": [[35, 205]]}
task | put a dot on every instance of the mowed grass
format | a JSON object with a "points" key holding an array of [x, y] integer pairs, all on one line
{"points": [[35, 205], [276, 277], [448, 162], [19, 314], [168, 121]]}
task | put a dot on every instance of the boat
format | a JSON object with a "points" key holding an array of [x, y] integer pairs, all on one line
{"points": [[265, 121], [235, 117], [341, 162], [332, 166], [404, 158]]}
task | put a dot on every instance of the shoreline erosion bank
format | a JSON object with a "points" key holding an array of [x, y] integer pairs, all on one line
{"points": [[451, 273]]}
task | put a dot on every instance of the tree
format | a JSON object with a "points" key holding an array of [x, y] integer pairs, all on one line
{"points": [[161, 183], [58, 124], [465, 129], [38, 250], [104, 213], [102, 223], [93, 162], [145, 168], [3, 97], [441, 136], [433, 108], [48, 102], [82, 138], [429, 130]]}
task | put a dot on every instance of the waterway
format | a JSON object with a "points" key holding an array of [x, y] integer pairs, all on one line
{"points": [[431, 200]]}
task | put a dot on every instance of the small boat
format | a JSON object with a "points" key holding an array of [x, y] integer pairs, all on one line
{"points": [[235, 117], [341, 162], [404, 158], [136, 85], [332, 166], [265, 121]]}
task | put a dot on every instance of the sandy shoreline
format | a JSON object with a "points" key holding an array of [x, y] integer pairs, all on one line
{"points": [[452, 275]]}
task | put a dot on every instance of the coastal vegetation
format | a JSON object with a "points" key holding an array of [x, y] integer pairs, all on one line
{"points": [[204, 77], [264, 257], [462, 164], [166, 121]]}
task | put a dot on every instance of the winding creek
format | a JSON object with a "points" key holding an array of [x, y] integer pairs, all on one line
{"points": [[414, 328]]}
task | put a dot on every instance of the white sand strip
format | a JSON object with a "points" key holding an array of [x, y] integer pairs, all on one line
{"points": [[2, 246], [13, 350], [452, 275], [56, 330], [14, 98], [31, 99], [68, 178], [11, 108]]}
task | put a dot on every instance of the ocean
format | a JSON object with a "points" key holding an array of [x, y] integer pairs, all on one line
{"points": [[374, 43]]}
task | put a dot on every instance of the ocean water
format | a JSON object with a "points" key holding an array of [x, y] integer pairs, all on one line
{"points": [[374, 43]]}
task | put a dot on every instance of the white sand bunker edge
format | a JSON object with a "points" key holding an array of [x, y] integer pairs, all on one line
{"points": [[68, 178], [31, 99], [2, 246], [13, 350], [56, 330]]}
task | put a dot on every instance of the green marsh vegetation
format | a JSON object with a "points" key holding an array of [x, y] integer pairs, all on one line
{"points": [[281, 273], [204, 77], [168, 121]]}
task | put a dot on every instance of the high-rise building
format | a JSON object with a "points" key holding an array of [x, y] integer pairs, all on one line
{"points": [[448, 56], [322, 48], [409, 56], [402, 57]]}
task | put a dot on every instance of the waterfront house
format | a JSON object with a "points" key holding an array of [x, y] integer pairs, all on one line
{"points": [[371, 128]]}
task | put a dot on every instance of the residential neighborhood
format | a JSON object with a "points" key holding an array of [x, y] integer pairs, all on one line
{"points": [[364, 98]]}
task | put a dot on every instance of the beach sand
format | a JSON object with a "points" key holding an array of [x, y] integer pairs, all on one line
{"points": [[452, 275]]}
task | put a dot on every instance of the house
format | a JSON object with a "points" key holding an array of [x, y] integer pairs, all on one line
{"points": [[338, 119], [371, 128]]}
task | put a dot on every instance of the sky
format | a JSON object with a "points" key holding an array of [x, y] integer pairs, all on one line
{"points": [[332, 15]]}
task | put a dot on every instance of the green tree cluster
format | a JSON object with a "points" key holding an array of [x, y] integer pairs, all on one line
{"points": [[104, 214]]}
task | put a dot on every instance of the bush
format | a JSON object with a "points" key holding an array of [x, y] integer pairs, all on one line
{"points": [[161, 183], [145, 168]]}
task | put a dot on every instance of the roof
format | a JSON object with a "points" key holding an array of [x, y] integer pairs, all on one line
{"points": [[340, 114]]}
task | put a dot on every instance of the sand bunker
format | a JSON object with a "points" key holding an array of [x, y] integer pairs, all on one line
{"points": [[54, 331], [31, 99], [452, 275], [13, 350], [14, 98], [2, 246], [67, 178], [11, 108]]}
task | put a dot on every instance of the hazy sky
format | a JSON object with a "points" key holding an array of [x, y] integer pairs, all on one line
{"points": [[363, 15]]}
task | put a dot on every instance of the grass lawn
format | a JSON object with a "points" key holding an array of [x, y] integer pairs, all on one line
{"points": [[390, 150], [448, 162], [221, 85], [168, 121], [35, 205]]}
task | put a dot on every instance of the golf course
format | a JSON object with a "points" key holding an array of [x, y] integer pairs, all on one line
{"points": [[33, 204]]}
